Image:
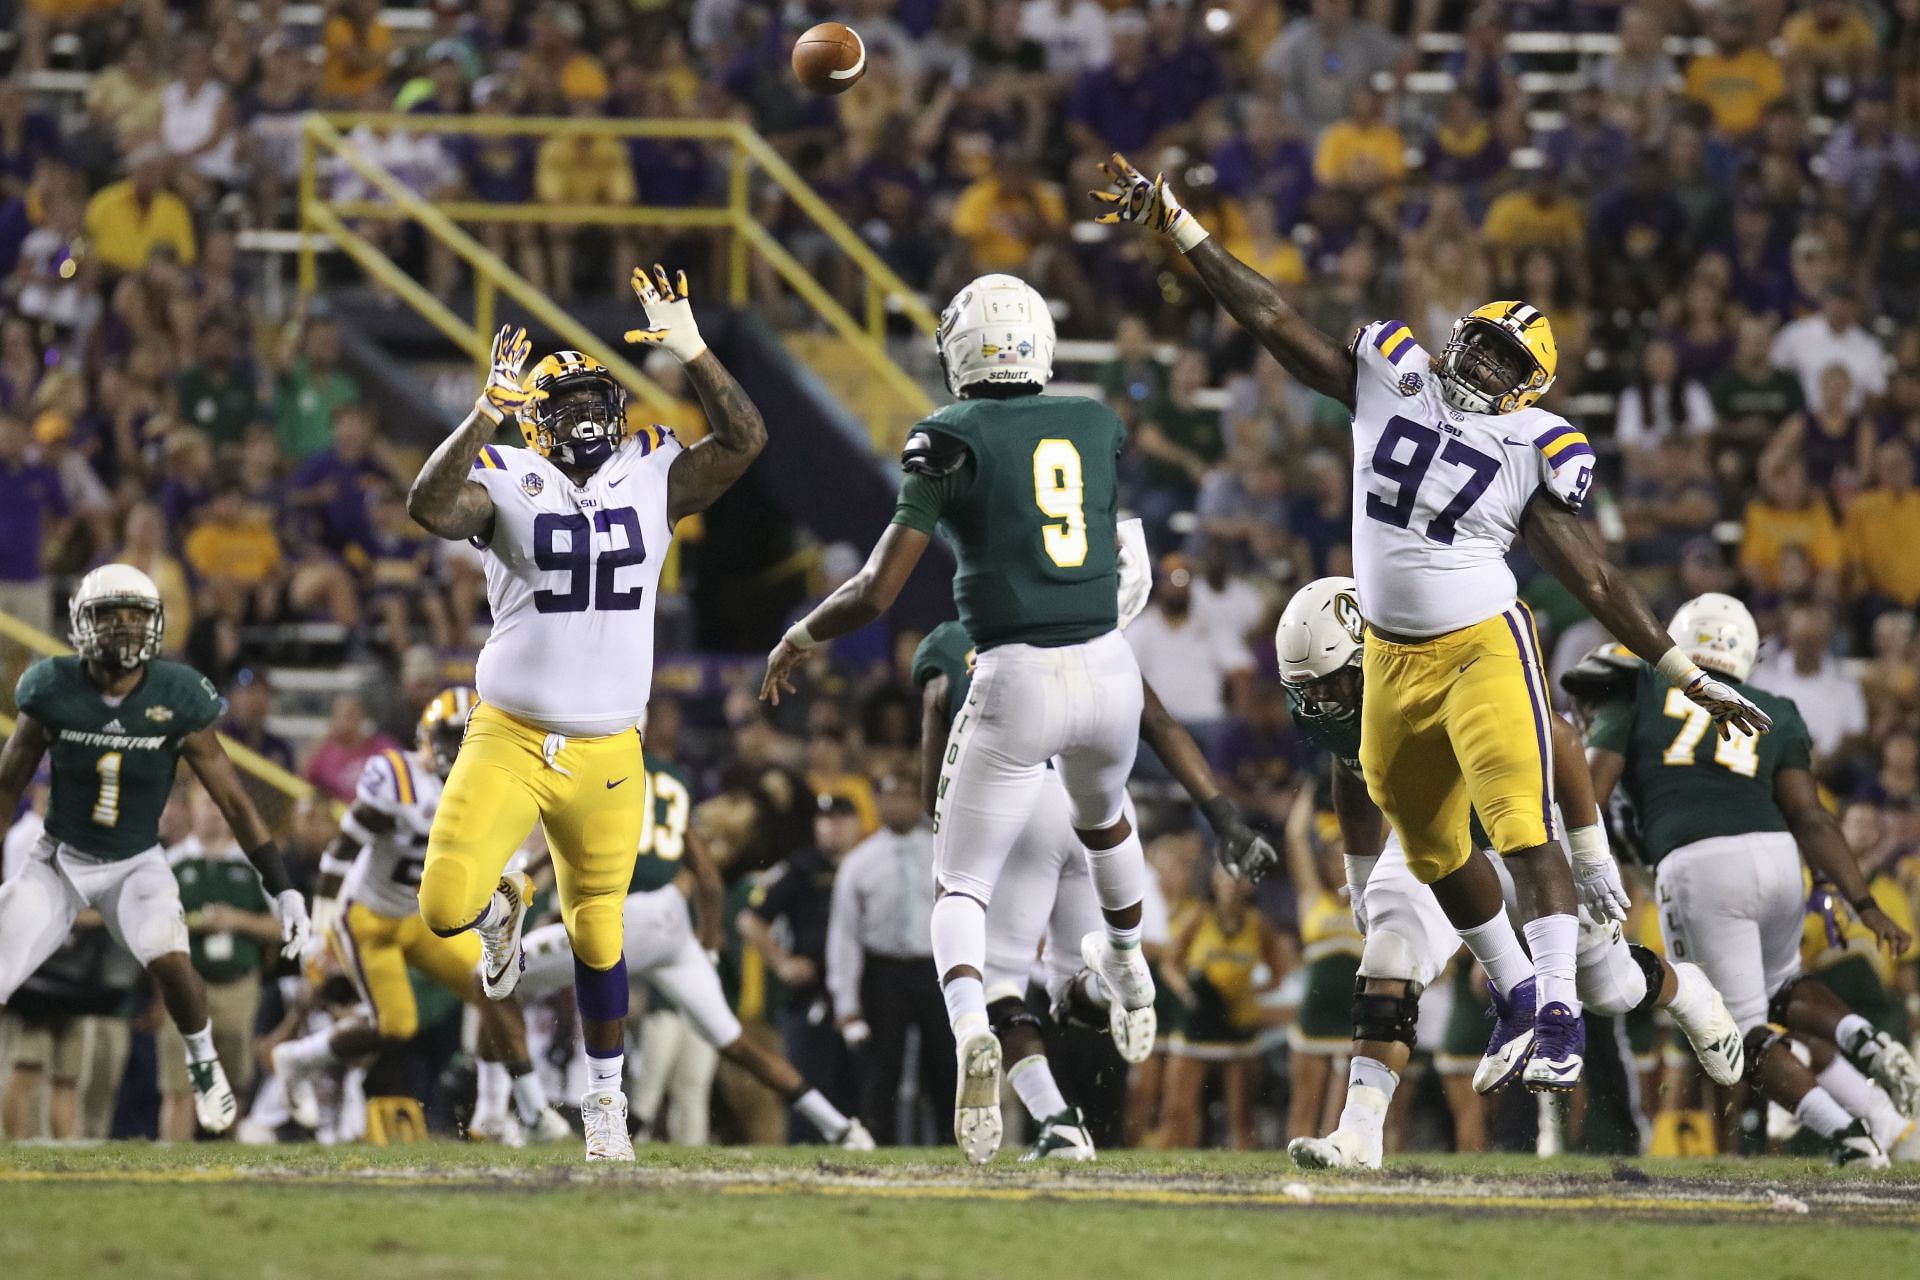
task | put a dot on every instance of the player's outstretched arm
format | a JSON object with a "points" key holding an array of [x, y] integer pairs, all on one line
{"points": [[709, 893], [736, 432], [214, 768], [1249, 297], [853, 604], [443, 500], [18, 759], [1826, 851], [1559, 542], [1242, 850], [1362, 831]]}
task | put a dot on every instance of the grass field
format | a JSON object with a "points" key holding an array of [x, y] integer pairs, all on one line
{"points": [[463, 1211]]}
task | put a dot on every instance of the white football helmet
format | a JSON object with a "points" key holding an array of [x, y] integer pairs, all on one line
{"points": [[1718, 633], [997, 329], [117, 586], [1319, 638]]}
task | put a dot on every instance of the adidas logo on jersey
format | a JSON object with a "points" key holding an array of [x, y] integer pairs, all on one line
{"points": [[113, 726]]}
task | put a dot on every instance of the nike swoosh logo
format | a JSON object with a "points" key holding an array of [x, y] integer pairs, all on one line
{"points": [[615, 484], [1465, 665], [1517, 443], [616, 782]]}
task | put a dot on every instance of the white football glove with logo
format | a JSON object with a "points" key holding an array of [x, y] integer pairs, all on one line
{"points": [[1147, 202], [669, 314], [503, 394], [1731, 710], [291, 910], [1596, 876]]}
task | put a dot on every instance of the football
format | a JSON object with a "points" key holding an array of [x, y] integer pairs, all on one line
{"points": [[829, 58]]}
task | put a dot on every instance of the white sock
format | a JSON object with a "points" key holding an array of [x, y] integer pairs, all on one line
{"points": [[966, 1007], [1497, 948], [529, 1094], [200, 1043], [1852, 1032], [489, 1089], [1363, 1112], [822, 1115], [1373, 1073], [1040, 1094], [608, 1074], [1863, 1098], [1554, 941], [959, 936], [1820, 1113], [1119, 878], [1692, 996]]}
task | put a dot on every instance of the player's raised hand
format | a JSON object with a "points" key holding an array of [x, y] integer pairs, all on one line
{"points": [[503, 393], [1145, 202], [291, 910], [669, 314], [780, 664], [1890, 935], [1730, 709]]}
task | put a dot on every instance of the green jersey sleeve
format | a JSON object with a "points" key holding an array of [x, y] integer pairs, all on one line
{"points": [[924, 498], [1792, 739], [1612, 728], [199, 701], [35, 690]]}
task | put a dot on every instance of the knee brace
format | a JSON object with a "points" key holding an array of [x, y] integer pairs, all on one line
{"points": [[1758, 1041], [1006, 1012], [1381, 1017], [1655, 970]]}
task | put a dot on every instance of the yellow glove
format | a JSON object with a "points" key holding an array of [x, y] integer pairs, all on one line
{"points": [[669, 314], [1147, 202], [503, 393]]}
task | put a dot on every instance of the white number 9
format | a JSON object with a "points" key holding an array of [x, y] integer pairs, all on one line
{"points": [[1059, 490]]}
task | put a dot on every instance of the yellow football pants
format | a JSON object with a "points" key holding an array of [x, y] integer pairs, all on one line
{"points": [[1455, 723], [375, 950], [591, 797]]}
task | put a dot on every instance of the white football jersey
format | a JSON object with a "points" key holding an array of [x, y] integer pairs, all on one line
{"points": [[385, 877], [1438, 495], [571, 578]]}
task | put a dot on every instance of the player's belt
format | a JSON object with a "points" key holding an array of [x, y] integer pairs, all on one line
{"points": [[1394, 637]]}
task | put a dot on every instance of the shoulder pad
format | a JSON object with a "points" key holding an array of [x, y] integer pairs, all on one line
{"points": [[932, 453]]}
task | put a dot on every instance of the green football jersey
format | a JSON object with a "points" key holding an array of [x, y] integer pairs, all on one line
{"points": [[113, 763], [1683, 780], [1030, 516], [663, 839], [946, 651]]}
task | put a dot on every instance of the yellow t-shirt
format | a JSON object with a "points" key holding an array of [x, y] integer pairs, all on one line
{"points": [[854, 788], [245, 553], [583, 79], [984, 216], [1803, 34], [576, 170], [1353, 154], [1737, 89], [342, 40], [1516, 221], [1771, 530], [1882, 530], [123, 234]]}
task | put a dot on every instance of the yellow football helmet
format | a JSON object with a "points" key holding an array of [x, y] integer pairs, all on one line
{"points": [[1500, 358], [584, 417], [443, 726]]}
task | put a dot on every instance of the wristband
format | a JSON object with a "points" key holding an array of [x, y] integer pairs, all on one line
{"points": [[488, 410], [1587, 844], [267, 861], [1359, 871], [799, 637], [1678, 668], [1187, 233], [1863, 903]]}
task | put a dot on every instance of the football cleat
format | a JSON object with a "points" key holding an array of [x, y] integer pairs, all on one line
{"points": [[549, 1126], [604, 1117], [501, 1128], [1893, 1069], [297, 1075], [1854, 1148], [1512, 1039], [856, 1138], [1716, 1041], [1062, 1137], [1559, 1049], [501, 959], [976, 1099], [213, 1103], [1129, 984], [1351, 1146]]}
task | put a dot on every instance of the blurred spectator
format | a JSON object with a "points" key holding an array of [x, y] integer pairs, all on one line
{"points": [[127, 220], [1132, 381], [198, 127], [1540, 215], [332, 487], [357, 44], [33, 515], [1890, 678], [1788, 515], [1639, 231], [1318, 61], [1834, 336], [1482, 68], [234, 543], [1177, 444], [395, 560], [1227, 604], [1361, 153], [582, 169], [217, 393], [1463, 149], [86, 497], [311, 387], [498, 168], [1830, 700], [557, 58], [1659, 404], [1243, 507], [1189, 663], [1834, 440], [1268, 157], [1184, 61], [1865, 157], [1591, 148], [144, 546], [1668, 501], [249, 704], [1073, 33], [829, 767], [1883, 529], [334, 763], [1752, 395], [1828, 48], [1007, 216], [1739, 78], [1638, 75], [26, 136], [124, 97], [271, 109]]}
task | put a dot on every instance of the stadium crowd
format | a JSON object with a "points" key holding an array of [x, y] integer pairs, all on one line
{"points": [[1721, 214]]}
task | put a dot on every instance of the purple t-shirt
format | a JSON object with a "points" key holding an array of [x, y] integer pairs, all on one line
{"points": [[29, 494]]}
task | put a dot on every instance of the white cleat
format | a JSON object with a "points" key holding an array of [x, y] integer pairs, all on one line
{"points": [[1349, 1146], [297, 1076], [976, 1100], [549, 1126], [1129, 986], [1893, 1069], [856, 1138], [500, 1128], [213, 1103], [1062, 1137], [1716, 1040], [1856, 1149], [604, 1116], [500, 957]]}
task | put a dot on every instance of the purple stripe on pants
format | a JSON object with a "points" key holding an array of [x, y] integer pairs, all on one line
{"points": [[1539, 724]]}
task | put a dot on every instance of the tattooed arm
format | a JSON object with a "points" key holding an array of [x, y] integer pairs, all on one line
{"points": [[738, 434], [442, 500]]}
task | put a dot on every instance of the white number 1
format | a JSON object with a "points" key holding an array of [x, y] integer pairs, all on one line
{"points": [[106, 809], [1060, 491]]}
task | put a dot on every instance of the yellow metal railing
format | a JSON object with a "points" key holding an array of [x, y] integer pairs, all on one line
{"points": [[748, 154]]}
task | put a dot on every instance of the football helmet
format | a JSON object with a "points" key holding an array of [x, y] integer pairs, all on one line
{"points": [[100, 634], [1318, 643], [1501, 357], [443, 726], [584, 417], [1606, 672], [997, 329], [1718, 633]]}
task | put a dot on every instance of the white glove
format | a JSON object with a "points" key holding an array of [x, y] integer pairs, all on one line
{"points": [[669, 314], [1359, 871], [1136, 570], [1596, 876], [1730, 709], [856, 1033], [503, 393], [291, 909], [1147, 202]]}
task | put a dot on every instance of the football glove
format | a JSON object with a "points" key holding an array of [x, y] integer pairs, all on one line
{"points": [[1730, 709], [1136, 570], [1146, 202], [503, 393], [1596, 876], [291, 910], [669, 314], [1243, 851]]}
